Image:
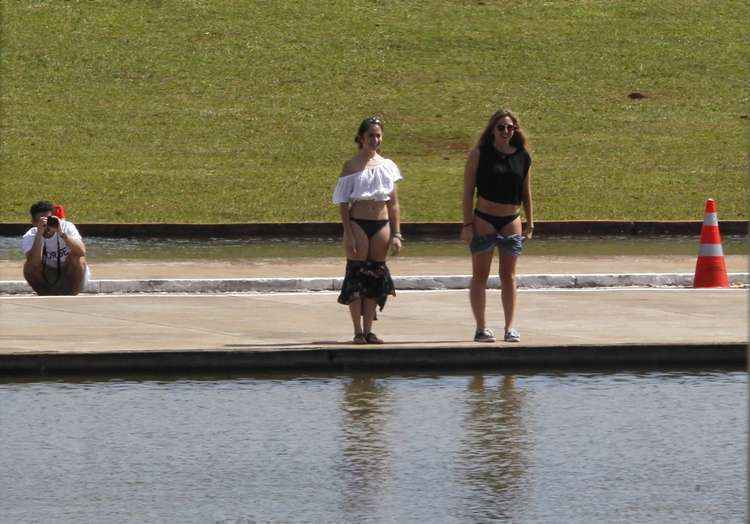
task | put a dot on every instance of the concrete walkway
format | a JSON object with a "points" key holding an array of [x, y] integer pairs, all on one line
{"points": [[425, 330], [156, 332]]}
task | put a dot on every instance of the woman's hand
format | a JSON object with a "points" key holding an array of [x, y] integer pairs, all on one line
{"points": [[528, 232], [350, 246], [467, 233], [396, 245]]}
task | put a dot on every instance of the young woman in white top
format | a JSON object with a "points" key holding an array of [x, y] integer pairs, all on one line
{"points": [[368, 202]]}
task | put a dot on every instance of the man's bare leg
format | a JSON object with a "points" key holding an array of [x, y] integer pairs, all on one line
{"points": [[74, 271], [34, 275]]}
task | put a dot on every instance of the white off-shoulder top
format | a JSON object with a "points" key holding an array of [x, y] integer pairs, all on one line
{"points": [[372, 183]]}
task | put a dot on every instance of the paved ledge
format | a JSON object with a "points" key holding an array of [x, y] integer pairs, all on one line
{"points": [[163, 332], [277, 285], [410, 229], [387, 357]]}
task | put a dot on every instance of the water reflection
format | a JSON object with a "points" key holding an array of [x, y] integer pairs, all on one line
{"points": [[569, 447], [491, 459], [365, 455]]}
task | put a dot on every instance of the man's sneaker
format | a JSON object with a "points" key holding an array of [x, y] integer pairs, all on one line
{"points": [[512, 336], [484, 335]]}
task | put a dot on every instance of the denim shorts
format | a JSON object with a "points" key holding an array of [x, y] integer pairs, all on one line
{"points": [[508, 245]]}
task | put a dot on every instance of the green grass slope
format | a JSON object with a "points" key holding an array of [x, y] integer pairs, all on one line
{"points": [[229, 111]]}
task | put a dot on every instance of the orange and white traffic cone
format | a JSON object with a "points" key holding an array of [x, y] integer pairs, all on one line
{"points": [[711, 269]]}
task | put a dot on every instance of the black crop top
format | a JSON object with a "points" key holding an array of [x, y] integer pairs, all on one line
{"points": [[500, 177]]}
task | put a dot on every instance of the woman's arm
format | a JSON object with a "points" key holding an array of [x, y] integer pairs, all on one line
{"points": [[349, 243], [394, 215], [528, 207], [470, 182]]}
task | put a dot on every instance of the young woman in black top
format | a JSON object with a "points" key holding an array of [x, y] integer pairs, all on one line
{"points": [[498, 171]]}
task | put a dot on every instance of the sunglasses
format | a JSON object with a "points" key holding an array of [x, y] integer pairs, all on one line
{"points": [[506, 128], [373, 120]]}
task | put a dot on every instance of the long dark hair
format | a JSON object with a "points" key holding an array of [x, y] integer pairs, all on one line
{"points": [[366, 124], [517, 140]]}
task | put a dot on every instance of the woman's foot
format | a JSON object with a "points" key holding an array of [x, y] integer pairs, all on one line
{"points": [[359, 338], [512, 336], [484, 335], [372, 338]]}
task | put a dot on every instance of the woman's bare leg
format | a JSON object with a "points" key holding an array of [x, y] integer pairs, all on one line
{"points": [[508, 288], [355, 310], [481, 263], [508, 276], [362, 244], [378, 252]]}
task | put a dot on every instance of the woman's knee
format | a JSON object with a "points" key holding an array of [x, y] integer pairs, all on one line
{"points": [[480, 278], [507, 279], [480, 272], [481, 265]]}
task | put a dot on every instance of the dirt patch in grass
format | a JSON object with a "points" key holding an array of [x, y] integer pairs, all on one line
{"points": [[447, 148], [637, 95]]}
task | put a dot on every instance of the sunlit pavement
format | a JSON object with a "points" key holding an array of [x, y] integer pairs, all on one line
{"points": [[153, 322]]}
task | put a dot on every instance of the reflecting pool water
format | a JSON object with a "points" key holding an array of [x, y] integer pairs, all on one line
{"points": [[571, 447], [109, 249]]}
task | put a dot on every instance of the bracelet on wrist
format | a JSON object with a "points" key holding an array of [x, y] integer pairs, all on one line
{"points": [[398, 235]]}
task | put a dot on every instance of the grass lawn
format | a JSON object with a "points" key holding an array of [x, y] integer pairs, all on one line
{"points": [[238, 111]]}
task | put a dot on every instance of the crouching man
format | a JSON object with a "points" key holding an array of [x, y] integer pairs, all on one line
{"points": [[55, 254]]}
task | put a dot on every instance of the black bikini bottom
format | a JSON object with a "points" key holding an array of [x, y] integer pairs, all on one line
{"points": [[370, 227], [497, 222]]}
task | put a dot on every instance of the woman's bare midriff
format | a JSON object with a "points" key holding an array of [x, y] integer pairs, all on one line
{"points": [[498, 210], [369, 210]]}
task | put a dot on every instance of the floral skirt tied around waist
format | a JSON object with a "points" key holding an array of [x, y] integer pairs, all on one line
{"points": [[366, 279]]}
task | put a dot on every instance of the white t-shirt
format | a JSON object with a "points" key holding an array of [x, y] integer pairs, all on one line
{"points": [[372, 183], [55, 246]]}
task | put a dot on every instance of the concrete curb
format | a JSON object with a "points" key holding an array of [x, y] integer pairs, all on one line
{"points": [[278, 285], [461, 356]]}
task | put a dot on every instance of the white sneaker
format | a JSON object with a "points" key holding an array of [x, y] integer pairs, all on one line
{"points": [[484, 335], [512, 336]]}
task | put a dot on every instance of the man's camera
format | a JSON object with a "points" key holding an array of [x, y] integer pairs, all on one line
{"points": [[53, 221]]}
